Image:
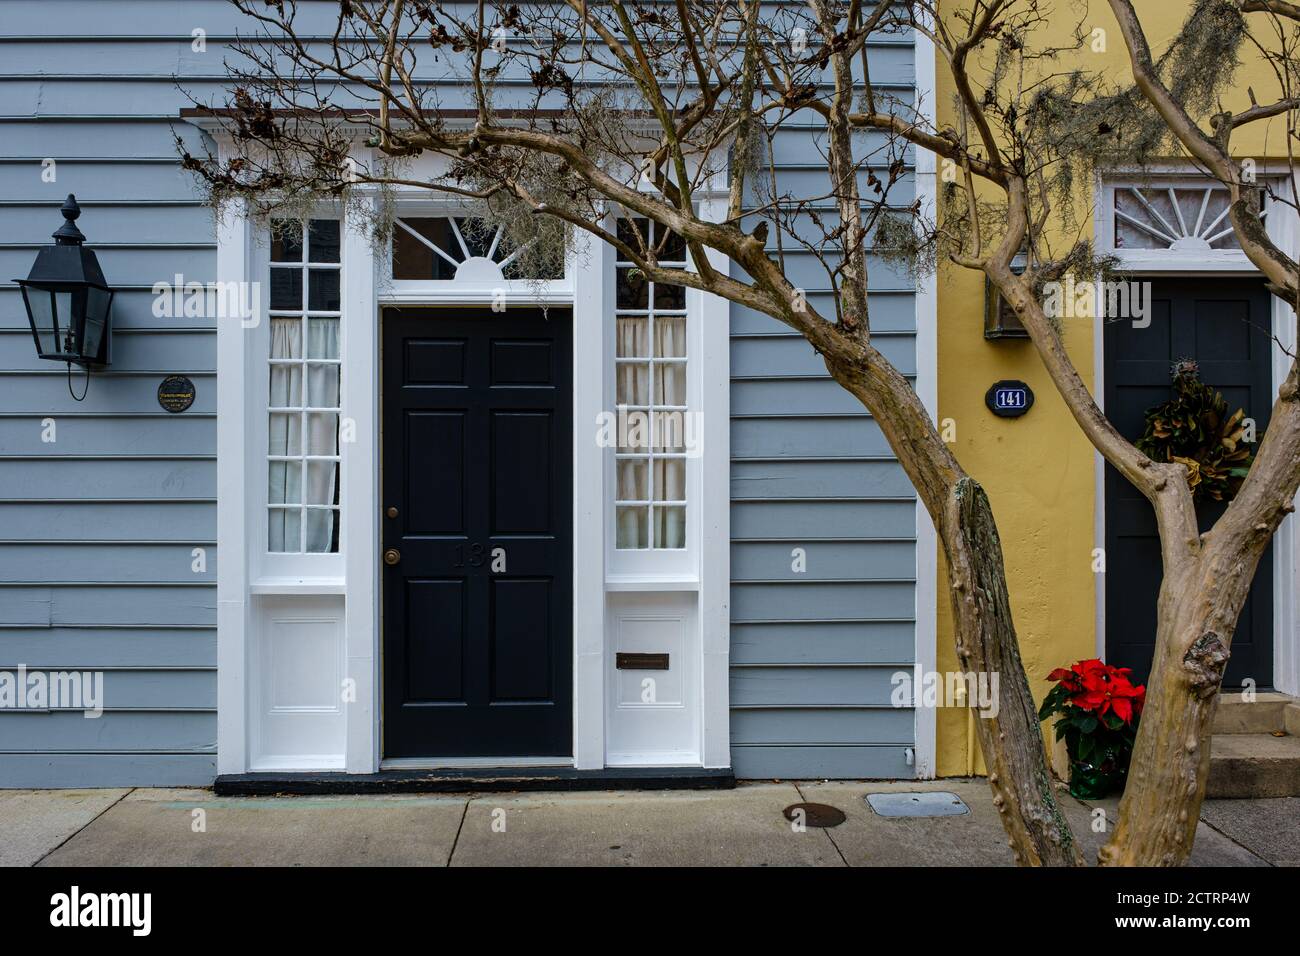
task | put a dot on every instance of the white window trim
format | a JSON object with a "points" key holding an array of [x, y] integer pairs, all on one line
{"points": [[280, 572], [662, 568], [1283, 227]]}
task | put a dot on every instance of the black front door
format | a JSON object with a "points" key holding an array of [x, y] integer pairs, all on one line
{"points": [[1225, 325], [477, 533]]}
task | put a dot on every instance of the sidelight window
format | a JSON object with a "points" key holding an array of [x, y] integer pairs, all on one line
{"points": [[655, 433], [303, 375]]}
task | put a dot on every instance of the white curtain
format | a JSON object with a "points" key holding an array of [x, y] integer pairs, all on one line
{"points": [[633, 383], [285, 436], [659, 479], [670, 473], [633, 485], [322, 434], [670, 485], [670, 336], [287, 482]]}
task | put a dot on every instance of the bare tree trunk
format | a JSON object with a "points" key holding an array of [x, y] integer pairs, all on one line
{"points": [[1171, 760], [1196, 615], [984, 632], [986, 643]]}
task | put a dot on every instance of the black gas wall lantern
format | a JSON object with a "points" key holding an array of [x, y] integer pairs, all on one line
{"points": [[68, 302], [1000, 319]]}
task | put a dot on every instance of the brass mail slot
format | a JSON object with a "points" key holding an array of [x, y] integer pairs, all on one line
{"points": [[641, 662]]}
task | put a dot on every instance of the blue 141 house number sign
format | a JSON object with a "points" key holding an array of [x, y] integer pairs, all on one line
{"points": [[1009, 399]]}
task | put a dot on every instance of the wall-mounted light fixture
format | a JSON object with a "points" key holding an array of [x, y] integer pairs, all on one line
{"points": [[1000, 320], [68, 302]]}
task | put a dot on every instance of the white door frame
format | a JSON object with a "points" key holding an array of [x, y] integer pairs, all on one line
{"points": [[362, 356], [355, 573], [1284, 229], [926, 311]]}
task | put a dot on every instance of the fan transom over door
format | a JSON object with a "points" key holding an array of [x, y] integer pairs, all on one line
{"points": [[1225, 325], [478, 554]]}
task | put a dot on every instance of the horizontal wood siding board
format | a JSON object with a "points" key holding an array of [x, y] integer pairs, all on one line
{"points": [[110, 436], [775, 560], [71, 648], [150, 220], [77, 604], [142, 266], [890, 312], [792, 355], [812, 687], [40, 479], [822, 642], [157, 350], [132, 312], [128, 769], [819, 600], [108, 561], [118, 144], [144, 689], [130, 395], [824, 727], [808, 521], [776, 479], [148, 183], [792, 398], [185, 524], [803, 762], [114, 731]]}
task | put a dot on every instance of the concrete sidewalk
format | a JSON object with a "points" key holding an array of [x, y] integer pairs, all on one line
{"points": [[743, 827]]}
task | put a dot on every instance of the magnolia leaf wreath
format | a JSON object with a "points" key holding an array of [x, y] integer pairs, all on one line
{"points": [[1195, 430]]}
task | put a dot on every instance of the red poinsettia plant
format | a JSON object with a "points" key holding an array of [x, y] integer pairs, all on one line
{"points": [[1099, 707]]}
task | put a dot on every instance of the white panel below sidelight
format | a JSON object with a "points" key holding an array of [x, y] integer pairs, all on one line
{"points": [[298, 720], [653, 715]]}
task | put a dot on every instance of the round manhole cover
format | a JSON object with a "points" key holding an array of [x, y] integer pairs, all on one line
{"points": [[815, 814]]}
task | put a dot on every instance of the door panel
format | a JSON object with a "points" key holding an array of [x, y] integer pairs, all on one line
{"points": [[477, 439], [1225, 325]]}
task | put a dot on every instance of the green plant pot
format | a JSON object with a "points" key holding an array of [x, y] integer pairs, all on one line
{"points": [[1092, 783]]}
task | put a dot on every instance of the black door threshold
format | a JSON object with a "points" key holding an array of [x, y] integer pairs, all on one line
{"points": [[517, 779]]}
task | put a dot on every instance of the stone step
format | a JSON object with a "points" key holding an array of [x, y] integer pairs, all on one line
{"points": [[1254, 765], [1291, 719], [1263, 715]]}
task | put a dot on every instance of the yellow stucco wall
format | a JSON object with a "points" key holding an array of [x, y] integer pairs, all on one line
{"points": [[1039, 470]]}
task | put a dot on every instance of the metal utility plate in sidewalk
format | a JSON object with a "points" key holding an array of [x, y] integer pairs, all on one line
{"points": [[921, 803]]}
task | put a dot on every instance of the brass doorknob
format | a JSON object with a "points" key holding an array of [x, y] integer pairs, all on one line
{"points": [[392, 556]]}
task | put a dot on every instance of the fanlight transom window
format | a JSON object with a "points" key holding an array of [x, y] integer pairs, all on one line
{"points": [[1179, 218], [457, 248]]}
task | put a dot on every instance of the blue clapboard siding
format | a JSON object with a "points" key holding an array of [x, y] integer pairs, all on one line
{"points": [[813, 653], [98, 528]]}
